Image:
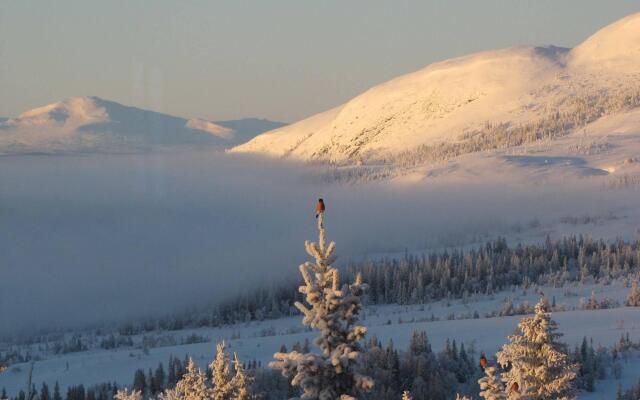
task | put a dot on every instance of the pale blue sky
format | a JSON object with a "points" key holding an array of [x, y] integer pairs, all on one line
{"points": [[280, 60]]}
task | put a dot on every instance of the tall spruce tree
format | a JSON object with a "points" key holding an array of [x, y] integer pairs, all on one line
{"points": [[56, 392], [222, 385], [44, 392], [633, 300], [240, 381], [333, 309], [538, 363]]}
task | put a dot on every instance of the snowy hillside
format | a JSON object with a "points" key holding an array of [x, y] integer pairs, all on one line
{"points": [[444, 320], [92, 124], [483, 101]]}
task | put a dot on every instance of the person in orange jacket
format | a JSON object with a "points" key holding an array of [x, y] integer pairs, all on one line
{"points": [[320, 213]]}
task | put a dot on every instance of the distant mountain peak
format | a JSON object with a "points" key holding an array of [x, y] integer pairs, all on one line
{"points": [[616, 46], [80, 109], [90, 123]]}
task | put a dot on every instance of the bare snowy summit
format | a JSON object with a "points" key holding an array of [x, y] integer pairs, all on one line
{"points": [[482, 101], [93, 124], [616, 47]]}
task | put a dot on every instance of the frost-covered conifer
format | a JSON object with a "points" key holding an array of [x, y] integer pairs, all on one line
{"points": [[332, 309], [633, 300], [539, 365], [193, 385], [169, 394], [491, 387], [222, 385], [124, 394], [591, 304], [240, 381]]}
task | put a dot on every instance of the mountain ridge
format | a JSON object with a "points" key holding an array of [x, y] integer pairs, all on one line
{"points": [[90, 123], [448, 103]]}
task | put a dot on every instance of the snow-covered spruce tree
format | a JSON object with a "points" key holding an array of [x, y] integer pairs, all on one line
{"points": [[406, 395], [169, 394], [125, 394], [539, 364], [491, 387], [240, 381], [193, 385], [633, 300], [332, 309], [222, 381]]}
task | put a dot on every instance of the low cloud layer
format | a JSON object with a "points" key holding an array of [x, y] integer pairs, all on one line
{"points": [[86, 239]]}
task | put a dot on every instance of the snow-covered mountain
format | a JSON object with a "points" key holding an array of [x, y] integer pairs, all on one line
{"points": [[93, 124], [488, 100]]}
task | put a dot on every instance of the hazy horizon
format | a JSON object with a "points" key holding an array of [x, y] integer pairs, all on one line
{"points": [[280, 60]]}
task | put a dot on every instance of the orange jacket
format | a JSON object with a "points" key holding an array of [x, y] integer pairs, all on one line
{"points": [[320, 207]]}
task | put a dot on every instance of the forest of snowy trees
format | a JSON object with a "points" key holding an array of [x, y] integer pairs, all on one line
{"points": [[418, 279], [412, 279], [416, 369]]}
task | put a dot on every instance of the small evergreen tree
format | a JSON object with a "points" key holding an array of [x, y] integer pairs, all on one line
{"points": [[139, 381], [56, 392], [491, 387], [124, 394], [193, 385], [222, 386], [44, 392], [240, 381], [333, 310], [539, 366], [633, 300], [406, 395], [159, 378]]}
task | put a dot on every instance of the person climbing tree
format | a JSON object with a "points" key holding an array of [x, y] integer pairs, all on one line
{"points": [[320, 213]]}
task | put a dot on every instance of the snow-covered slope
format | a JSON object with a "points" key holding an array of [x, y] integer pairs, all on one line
{"points": [[462, 100], [93, 124], [260, 340]]}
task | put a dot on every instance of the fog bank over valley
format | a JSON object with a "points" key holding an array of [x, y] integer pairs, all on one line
{"points": [[93, 238]]}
